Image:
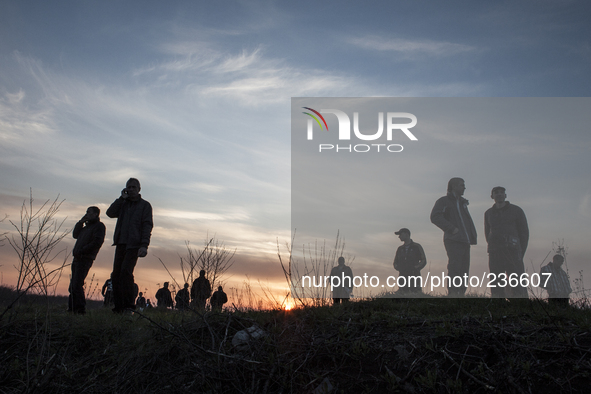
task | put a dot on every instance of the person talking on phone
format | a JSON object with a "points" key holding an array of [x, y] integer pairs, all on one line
{"points": [[89, 233], [131, 240]]}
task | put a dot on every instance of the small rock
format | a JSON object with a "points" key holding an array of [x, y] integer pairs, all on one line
{"points": [[243, 338]]}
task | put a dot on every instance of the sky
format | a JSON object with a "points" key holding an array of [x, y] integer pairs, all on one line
{"points": [[193, 99]]}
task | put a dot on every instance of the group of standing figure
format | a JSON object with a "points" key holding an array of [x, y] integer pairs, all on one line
{"points": [[506, 232], [131, 240], [196, 298]]}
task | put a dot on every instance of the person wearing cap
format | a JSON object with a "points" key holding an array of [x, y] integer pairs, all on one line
{"points": [[557, 284], [507, 235], [450, 214], [409, 260]]}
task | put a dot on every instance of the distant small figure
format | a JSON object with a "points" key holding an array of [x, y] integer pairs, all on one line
{"points": [[218, 299], [342, 292], [200, 291], [558, 284], [141, 302], [450, 214], [89, 233], [149, 304], [164, 297], [183, 298], [409, 261], [507, 235], [131, 239], [107, 293]]}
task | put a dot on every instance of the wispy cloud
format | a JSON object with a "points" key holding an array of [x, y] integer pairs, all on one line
{"points": [[18, 121], [410, 48], [240, 62], [177, 214], [249, 76]]}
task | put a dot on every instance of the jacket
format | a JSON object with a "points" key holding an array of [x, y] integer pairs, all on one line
{"points": [[218, 298], [506, 228], [558, 284], [89, 239], [164, 297], [140, 222], [412, 260], [446, 216], [345, 275], [201, 288]]}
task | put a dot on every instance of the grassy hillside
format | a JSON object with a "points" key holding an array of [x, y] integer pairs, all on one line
{"points": [[421, 345]]}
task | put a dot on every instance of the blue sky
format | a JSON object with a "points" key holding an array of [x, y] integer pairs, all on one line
{"points": [[193, 98]]}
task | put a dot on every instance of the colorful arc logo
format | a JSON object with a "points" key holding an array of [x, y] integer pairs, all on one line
{"points": [[315, 118]]}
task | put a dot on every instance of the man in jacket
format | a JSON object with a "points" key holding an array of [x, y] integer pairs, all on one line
{"points": [[507, 235], [141, 302], [89, 233], [200, 291], [341, 292], [131, 238], [164, 297], [183, 298], [218, 299], [556, 281], [450, 214], [409, 260]]}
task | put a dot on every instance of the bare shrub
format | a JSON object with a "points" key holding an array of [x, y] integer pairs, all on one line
{"points": [[36, 244], [214, 258], [317, 261]]}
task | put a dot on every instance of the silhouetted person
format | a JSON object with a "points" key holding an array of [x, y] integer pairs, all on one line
{"points": [[218, 299], [450, 213], [183, 298], [164, 297], [558, 285], [89, 233], [507, 234], [200, 291], [107, 292], [342, 292], [409, 261], [132, 237], [149, 304], [141, 302]]}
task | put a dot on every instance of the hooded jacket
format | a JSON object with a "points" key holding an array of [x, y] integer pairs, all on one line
{"points": [[449, 213]]}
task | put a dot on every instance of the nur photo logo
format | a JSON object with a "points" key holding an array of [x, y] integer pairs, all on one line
{"points": [[397, 123]]}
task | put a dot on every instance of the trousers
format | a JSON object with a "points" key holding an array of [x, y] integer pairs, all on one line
{"points": [[122, 277], [458, 264], [506, 261], [76, 299]]}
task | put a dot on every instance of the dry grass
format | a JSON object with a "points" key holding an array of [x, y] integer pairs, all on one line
{"points": [[397, 345]]}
